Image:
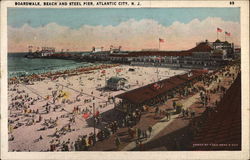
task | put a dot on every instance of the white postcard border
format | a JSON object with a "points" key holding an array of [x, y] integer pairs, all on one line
{"points": [[244, 154]]}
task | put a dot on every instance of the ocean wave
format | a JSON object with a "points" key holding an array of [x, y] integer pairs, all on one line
{"points": [[19, 66]]}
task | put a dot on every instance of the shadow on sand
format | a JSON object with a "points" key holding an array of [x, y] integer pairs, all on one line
{"points": [[108, 116]]}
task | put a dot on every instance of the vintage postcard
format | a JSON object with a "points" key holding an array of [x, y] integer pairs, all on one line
{"points": [[129, 79]]}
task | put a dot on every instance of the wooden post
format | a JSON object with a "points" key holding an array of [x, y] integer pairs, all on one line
{"points": [[94, 120]]}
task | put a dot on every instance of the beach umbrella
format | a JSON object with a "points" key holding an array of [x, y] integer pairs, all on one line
{"points": [[85, 115]]}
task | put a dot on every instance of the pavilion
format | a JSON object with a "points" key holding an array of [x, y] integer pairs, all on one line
{"points": [[157, 92]]}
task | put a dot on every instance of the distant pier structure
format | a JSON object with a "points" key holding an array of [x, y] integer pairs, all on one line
{"points": [[97, 49], [205, 55], [114, 49], [47, 51], [43, 52]]}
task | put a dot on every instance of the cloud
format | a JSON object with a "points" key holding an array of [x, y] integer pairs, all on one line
{"points": [[131, 35]]}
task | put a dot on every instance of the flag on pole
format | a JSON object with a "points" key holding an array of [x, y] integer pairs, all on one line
{"points": [[161, 40], [227, 33], [219, 30]]}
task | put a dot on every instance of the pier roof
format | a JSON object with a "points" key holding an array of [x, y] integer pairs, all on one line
{"points": [[115, 79], [142, 94], [202, 47], [153, 53]]}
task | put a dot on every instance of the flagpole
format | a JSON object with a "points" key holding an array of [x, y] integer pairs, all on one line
{"points": [[94, 121], [159, 44], [105, 81], [157, 73]]}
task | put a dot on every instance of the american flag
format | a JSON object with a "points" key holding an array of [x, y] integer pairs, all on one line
{"points": [[219, 30], [161, 40]]}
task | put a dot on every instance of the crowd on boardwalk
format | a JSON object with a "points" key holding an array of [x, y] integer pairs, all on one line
{"points": [[230, 73], [203, 87], [21, 102]]}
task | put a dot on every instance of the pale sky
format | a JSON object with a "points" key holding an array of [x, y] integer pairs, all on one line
{"points": [[133, 29]]}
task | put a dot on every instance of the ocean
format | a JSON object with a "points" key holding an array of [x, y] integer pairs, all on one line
{"points": [[18, 65]]}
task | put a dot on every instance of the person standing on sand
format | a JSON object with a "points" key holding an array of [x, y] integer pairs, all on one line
{"points": [[40, 118]]}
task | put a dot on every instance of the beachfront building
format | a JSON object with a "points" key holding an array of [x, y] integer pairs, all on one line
{"points": [[203, 56], [116, 83], [226, 47], [208, 55], [158, 92]]}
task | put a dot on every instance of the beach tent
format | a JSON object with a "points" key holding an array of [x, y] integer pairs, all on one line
{"points": [[116, 83]]}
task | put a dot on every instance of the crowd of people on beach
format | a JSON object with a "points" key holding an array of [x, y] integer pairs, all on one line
{"points": [[21, 103], [29, 79]]}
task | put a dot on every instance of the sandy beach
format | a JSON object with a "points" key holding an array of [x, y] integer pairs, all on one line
{"points": [[50, 105]]}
